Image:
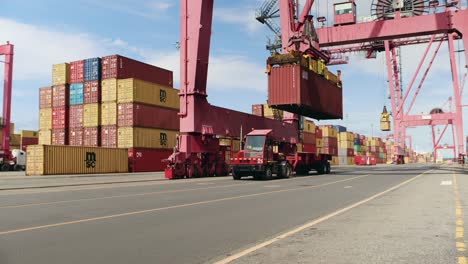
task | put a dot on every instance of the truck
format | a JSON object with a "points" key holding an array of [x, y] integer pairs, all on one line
{"points": [[15, 161], [264, 156]]}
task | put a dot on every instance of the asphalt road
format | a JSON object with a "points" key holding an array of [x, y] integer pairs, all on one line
{"points": [[186, 221]]}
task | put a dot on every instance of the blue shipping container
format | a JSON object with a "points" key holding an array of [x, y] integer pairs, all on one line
{"points": [[92, 69], [357, 142], [76, 93], [340, 128]]}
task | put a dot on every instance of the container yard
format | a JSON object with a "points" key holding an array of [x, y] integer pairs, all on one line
{"points": [[168, 132]]}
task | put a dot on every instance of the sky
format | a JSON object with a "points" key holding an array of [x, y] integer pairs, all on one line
{"points": [[54, 31]]}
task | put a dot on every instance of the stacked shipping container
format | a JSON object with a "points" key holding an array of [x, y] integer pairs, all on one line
{"points": [[346, 148]]}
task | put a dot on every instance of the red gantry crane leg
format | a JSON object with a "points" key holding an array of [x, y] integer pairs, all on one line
{"points": [[6, 50]]}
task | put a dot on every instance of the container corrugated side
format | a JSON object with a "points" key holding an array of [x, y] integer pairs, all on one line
{"points": [[45, 119], [309, 126], [54, 160], [75, 119], [138, 91], [147, 160], [75, 136], [137, 137], [45, 97], [92, 92], [140, 115], [92, 69], [109, 114], [91, 136], [109, 136], [77, 94], [45, 137], [29, 134], [60, 74], [60, 95], [109, 90], [116, 66], [59, 137], [15, 139], [91, 115], [59, 117], [77, 71]]}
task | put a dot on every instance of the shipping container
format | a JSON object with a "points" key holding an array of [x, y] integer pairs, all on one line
{"points": [[59, 137], [272, 113], [147, 160], [109, 90], [25, 141], [357, 142], [137, 137], [298, 90], [92, 92], [60, 95], [109, 136], [45, 137], [15, 139], [346, 144], [91, 115], [45, 119], [140, 115], [134, 90], [75, 136], [59, 117], [109, 114], [357, 148], [308, 138], [77, 93], [330, 151], [77, 71], [319, 142], [318, 132], [76, 116], [329, 132], [45, 97], [340, 129], [309, 126], [257, 110], [29, 134], [346, 136], [120, 67], [91, 136], [330, 142], [309, 148], [60, 74], [92, 69], [54, 160]]}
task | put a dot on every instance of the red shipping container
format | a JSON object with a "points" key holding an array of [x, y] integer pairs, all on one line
{"points": [[330, 151], [311, 148], [91, 136], [60, 95], [298, 90], [109, 136], [92, 92], [120, 67], [147, 160], [59, 137], [308, 138], [76, 116], [75, 136], [330, 142], [140, 115], [365, 160], [28, 141], [77, 71], [318, 133], [59, 118], [374, 149], [257, 110], [45, 97], [350, 152]]}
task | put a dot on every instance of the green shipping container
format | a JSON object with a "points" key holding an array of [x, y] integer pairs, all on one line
{"points": [[357, 148]]}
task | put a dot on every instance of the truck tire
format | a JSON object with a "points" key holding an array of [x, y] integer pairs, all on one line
{"points": [[286, 171], [268, 173], [321, 168], [235, 175], [327, 168], [17, 167], [5, 167]]}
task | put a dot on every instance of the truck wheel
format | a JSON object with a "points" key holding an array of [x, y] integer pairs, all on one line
{"points": [[236, 176], [268, 174], [17, 167], [287, 171], [327, 168], [321, 169], [5, 167]]}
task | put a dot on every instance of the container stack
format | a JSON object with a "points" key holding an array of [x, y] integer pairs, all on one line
{"points": [[330, 141], [139, 111], [76, 109], [308, 137], [45, 115], [357, 145], [60, 102], [28, 137], [92, 102], [271, 113], [346, 148]]}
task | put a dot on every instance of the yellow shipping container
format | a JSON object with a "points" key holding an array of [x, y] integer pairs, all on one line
{"points": [[346, 136], [272, 113], [319, 142], [60, 73], [45, 137], [15, 139], [29, 134], [329, 132], [319, 150], [406, 160], [109, 114], [12, 128], [134, 90], [313, 65], [45, 119], [109, 90], [334, 160], [91, 115], [50, 160], [299, 147], [137, 137], [309, 126], [321, 68], [350, 161], [346, 144]]}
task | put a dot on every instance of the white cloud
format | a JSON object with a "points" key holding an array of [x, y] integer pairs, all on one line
{"points": [[160, 5], [152, 10], [244, 17]]}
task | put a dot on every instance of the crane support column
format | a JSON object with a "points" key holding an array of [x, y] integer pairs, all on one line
{"points": [[7, 50]]}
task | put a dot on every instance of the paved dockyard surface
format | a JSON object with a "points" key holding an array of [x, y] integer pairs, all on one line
{"points": [[384, 214]]}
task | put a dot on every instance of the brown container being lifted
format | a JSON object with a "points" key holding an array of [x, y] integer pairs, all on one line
{"points": [[120, 67], [298, 90], [140, 115]]}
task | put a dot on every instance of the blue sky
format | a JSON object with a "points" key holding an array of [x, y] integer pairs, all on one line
{"points": [[53, 31]]}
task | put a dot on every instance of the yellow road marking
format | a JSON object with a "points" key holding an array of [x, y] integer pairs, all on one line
{"points": [[120, 196], [458, 212], [314, 222], [462, 260], [173, 207], [459, 222], [461, 246], [459, 230]]}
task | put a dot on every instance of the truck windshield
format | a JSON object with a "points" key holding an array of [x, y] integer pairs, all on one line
{"points": [[255, 143]]}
